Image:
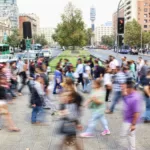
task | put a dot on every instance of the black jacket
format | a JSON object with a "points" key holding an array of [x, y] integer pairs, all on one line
{"points": [[36, 98]]}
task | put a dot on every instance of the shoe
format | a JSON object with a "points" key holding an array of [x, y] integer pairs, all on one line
{"points": [[54, 93], [20, 94], [86, 135], [146, 121], [108, 112], [105, 132]]}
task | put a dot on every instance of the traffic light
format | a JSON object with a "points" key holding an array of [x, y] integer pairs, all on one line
{"points": [[120, 25], [121, 42]]}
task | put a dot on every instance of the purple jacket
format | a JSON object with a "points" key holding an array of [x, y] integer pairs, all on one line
{"points": [[58, 76]]}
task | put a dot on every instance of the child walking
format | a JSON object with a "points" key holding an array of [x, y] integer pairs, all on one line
{"points": [[97, 104]]}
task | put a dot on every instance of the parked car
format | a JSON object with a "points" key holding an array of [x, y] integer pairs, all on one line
{"points": [[46, 53], [125, 50], [31, 56], [6, 57]]}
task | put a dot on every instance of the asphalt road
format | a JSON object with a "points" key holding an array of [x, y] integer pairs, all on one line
{"points": [[56, 52], [104, 54]]}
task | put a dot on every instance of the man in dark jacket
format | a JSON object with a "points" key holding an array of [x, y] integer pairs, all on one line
{"points": [[37, 99], [98, 70]]}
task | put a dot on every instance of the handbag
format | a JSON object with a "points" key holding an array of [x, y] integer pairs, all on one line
{"points": [[68, 127]]}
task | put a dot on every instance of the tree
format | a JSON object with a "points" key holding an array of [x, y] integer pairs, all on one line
{"points": [[89, 35], [108, 40], [14, 39], [145, 38], [132, 35], [71, 31], [40, 39]]}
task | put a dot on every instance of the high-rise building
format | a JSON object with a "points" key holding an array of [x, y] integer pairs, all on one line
{"points": [[48, 32], [9, 9], [104, 29], [8, 2], [130, 10], [143, 14], [30, 18]]}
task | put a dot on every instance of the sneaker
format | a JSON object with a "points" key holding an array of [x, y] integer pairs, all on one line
{"points": [[105, 132], [86, 135]]}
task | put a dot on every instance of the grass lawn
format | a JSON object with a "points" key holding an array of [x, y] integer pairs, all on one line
{"points": [[69, 55]]}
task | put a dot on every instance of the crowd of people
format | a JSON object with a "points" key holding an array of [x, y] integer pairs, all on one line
{"points": [[102, 82]]}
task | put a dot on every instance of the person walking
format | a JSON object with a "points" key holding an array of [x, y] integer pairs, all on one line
{"points": [[119, 80], [37, 98], [96, 103], [131, 113], [143, 72], [58, 78], [79, 71], [108, 85], [146, 115], [98, 71], [23, 76]]}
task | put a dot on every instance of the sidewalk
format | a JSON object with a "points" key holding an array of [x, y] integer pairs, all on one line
{"points": [[46, 138]]}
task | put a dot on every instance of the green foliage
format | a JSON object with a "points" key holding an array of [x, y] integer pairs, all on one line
{"points": [[89, 35], [146, 37], [108, 40], [71, 31], [14, 39], [132, 34], [40, 39]]}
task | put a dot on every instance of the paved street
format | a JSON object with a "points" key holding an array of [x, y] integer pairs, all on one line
{"points": [[46, 137], [55, 52], [103, 54]]}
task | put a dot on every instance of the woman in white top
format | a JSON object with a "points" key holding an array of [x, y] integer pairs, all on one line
{"points": [[108, 84]]}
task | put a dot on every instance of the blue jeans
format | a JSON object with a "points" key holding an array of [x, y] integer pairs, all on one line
{"points": [[86, 82], [55, 87], [116, 98], [36, 111], [146, 115], [93, 122]]}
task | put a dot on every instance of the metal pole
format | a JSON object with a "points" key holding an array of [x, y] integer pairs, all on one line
{"points": [[141, 37], [28, 61], [117, 35]]}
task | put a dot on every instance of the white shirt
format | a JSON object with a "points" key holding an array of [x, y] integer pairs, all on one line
{"points": [[107, 79], [39, 88], [79, 69], [20, 66], [113, 64]]}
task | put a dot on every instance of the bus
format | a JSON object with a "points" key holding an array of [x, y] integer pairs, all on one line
{"points": [[4, 49]]}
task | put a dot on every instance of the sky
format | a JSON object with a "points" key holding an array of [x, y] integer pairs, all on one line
{"points": [[50, 11]]}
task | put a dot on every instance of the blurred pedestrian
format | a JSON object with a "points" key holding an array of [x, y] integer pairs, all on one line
{"points": [[98, 71], [70, 119], [96, 103], [119, 80], [58, 79], [131, 113], [37, 99], [108, 85], [79, 71], [146, 116]]}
